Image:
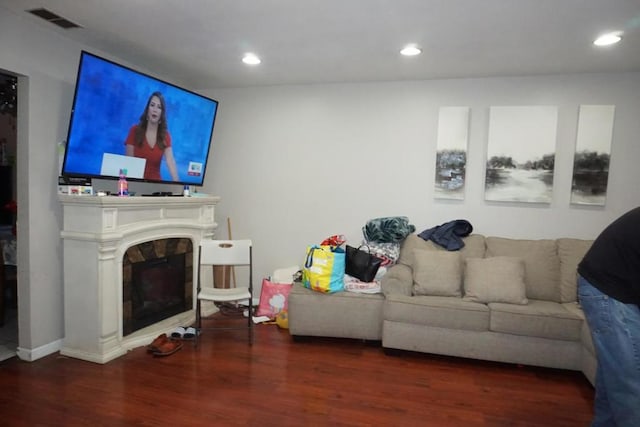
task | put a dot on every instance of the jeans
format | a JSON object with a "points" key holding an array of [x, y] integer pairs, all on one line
{"points": [[615, 329]]}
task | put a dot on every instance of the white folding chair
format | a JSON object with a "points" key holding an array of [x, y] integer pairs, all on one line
{"points": [[225, 253]]}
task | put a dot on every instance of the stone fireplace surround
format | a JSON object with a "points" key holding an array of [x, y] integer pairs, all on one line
{"points": [[96, 234], [157, 282]]}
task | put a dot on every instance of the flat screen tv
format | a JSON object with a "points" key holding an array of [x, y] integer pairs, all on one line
{"points": [[124, 120]]}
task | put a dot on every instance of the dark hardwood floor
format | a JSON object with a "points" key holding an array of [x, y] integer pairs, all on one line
{"points": [[276, 382]]}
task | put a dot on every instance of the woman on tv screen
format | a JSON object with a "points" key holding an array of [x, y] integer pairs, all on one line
{"points": [[150, 139]]}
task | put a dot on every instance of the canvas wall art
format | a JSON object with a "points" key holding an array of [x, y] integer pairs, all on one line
{"points": [[521, 154], [451, 152], [591, 160]]}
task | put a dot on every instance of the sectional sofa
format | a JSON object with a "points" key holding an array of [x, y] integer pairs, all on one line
{"points": [[498, 299]]}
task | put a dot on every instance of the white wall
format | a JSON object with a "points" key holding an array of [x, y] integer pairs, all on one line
{"points": [[295, 164], [45, 66]]}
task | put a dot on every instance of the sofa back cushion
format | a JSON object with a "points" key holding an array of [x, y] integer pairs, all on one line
{"points": [[437, 273], [473, 247], [542, 264], [571, 252]]}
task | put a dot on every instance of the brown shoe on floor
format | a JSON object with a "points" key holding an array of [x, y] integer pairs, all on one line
{"points": [[167, 348], [155, 344]]}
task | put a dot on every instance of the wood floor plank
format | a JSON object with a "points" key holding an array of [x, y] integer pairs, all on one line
{"points": [[278, 382]]}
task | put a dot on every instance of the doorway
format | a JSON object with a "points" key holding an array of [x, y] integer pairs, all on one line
{"points": [[8, 210]]}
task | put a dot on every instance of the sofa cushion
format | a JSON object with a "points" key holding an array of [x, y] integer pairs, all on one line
{"points": [[473, 247], [437, 273], [585, 333], [544, 319], [542, 265], [496, 279], [397, 280], [570, 252], [441, 312], [341, 314]]}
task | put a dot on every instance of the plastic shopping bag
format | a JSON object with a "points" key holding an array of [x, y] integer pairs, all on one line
{"points": [[273, 298], [324, 269]]}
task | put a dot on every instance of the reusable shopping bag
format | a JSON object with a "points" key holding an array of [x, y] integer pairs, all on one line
{"points": [[324, 268]]}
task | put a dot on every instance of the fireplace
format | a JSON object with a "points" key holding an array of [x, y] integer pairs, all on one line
{"points": [[157, 282], [122, 257]]}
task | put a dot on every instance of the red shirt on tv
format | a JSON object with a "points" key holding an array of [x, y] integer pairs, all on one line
{"points": [[153, 156]]}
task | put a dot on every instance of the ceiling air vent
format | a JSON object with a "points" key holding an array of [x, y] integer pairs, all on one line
{"points": [[49, 16]]}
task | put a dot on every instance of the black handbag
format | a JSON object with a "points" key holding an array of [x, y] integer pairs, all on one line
{"points": [[361, 264]]}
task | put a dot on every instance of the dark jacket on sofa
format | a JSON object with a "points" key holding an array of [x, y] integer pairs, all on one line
{"points": [[448, 235]]}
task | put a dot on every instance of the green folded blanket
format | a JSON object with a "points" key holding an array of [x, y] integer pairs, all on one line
{"points": [[391, 229]]}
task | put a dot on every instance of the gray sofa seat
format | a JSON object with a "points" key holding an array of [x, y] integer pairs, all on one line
{"points": [[544, 319], [484, 345], [341, 314], [437, 311]]}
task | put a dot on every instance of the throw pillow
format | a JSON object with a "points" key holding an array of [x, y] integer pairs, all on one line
{"points": [[274, 298], [437, 273], [495, 279]]}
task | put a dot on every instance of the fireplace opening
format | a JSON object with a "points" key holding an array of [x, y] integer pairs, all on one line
{"points": [[157, 282], [158, 290]]}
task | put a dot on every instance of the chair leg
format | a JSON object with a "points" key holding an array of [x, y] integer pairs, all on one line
{"points": [[250, 322], [198, 323]]}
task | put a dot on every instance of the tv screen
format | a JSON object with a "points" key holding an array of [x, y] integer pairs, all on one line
{"points": [[125, 120]]}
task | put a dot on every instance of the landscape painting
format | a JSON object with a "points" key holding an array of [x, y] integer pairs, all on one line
{"points": [[591, 160], [521, 154], [451, 152]]}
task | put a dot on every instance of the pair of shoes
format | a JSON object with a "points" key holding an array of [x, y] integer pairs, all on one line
{"points": [[182, 333], [156, 343], [167, 348]]}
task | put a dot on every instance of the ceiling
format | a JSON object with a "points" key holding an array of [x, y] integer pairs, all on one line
{"points": [[201, 42]]}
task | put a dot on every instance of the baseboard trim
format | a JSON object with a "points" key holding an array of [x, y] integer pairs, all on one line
{"points": [[30, 355]]}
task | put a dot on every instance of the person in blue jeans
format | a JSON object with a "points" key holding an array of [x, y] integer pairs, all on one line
{"points": [[609, 293]]}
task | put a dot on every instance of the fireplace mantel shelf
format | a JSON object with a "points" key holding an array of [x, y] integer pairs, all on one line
{"points": [[96, 234], [113, 201]]}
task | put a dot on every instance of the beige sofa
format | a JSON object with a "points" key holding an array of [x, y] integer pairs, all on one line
{"points": [[511, 301], [498, 299]]}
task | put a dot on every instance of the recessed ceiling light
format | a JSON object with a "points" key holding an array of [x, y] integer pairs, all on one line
{"points": [[608, 39], [411, 50], [251, 59]]}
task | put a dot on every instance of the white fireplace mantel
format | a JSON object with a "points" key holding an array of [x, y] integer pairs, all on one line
{"points": [[96, 234]]}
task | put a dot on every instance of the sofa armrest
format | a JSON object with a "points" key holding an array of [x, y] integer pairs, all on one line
{"points": [[398, 280]]}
